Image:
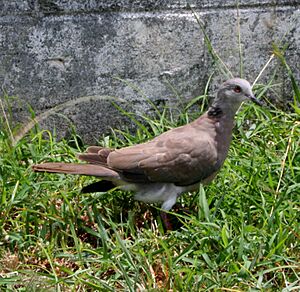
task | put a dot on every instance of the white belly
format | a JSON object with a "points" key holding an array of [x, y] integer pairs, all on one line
{"points": [[166, 193]]}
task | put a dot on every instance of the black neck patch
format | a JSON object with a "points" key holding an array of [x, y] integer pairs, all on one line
{"points": [[215, 112]]}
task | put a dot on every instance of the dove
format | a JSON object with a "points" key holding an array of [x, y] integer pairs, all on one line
{"points": [[175, 162]]}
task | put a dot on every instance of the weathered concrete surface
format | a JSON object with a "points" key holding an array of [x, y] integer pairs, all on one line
{"points": [[54, 52]]}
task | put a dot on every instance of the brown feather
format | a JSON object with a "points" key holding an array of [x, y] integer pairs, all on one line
{"points": [[94, 149], [92, 158], [183, 155], [95, 155], [75, 168]]}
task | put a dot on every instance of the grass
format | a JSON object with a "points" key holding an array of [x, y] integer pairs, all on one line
{"points": [[241, 233]]}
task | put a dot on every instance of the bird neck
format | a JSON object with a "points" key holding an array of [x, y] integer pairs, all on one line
{"points": [[215, 112], [224, 117], [220, 108]]}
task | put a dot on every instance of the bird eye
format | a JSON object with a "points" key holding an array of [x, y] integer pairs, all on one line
{"points": [[237, 89]]}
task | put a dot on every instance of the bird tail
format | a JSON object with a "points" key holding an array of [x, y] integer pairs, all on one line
{"points": [[98, 186], [75, 168]]}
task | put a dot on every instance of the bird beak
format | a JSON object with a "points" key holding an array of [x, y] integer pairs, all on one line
{"points": [[254, 99]]}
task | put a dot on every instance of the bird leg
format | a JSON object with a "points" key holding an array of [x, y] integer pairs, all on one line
{"points": [[170, 221], [166, 220]]}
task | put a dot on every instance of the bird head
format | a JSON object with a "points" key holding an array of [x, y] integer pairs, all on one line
{"points": [[234, 91]]}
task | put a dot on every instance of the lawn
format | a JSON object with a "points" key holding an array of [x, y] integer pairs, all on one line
{"points": [[239, 233]]}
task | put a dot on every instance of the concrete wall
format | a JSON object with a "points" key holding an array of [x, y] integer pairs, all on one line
{"points": [[68, 53]]}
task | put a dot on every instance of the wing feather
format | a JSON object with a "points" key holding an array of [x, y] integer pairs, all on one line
{"points": [[95, 155], [183, 156]]}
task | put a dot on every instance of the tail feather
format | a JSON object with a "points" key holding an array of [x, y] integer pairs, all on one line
{"points": [[75, 168], [99, 186]]}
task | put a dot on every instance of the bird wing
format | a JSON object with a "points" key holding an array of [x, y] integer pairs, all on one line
{"points": [[95, 155], [183, 156]]}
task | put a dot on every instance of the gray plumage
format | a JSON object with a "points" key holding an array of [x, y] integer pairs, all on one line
{"points": [[175, 162]]}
